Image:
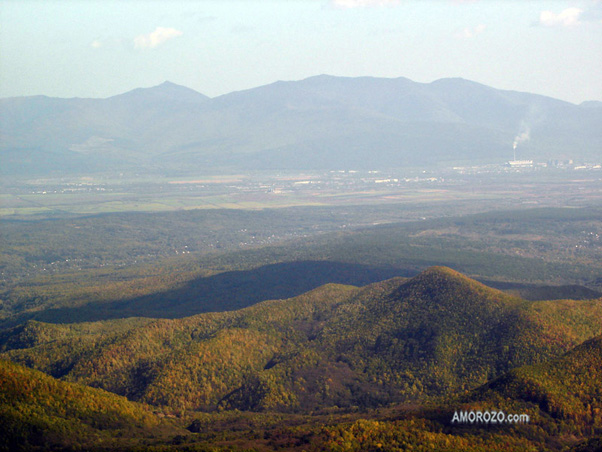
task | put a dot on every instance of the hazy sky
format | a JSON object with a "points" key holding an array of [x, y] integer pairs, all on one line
{"points": [[102, 48]]}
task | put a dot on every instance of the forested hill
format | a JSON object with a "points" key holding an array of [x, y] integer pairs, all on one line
{"points": [[392, 341], [38, 412], [567, 387]]}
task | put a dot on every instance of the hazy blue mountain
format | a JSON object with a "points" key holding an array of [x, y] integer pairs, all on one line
{"points": [[591, 104], [320, 122]]}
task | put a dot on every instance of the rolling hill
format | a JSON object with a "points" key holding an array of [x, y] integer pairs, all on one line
{"points": [[561, 397], [322, 122], [566, 388], [394, 341], [38, 412]]}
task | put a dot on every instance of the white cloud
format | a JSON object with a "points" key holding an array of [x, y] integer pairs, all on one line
{"points": [[157, 37], [469, 33], [567, 18], [363, 3], [97, 44]]}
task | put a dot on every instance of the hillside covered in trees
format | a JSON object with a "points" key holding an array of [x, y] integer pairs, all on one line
{"points": [[40, 412], [387, 360]]}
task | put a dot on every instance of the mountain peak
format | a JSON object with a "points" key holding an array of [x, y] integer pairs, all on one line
{"points": [[459, 86], [166, 91], [444, 285], [591, 104], [443, 273], [168, 83]]}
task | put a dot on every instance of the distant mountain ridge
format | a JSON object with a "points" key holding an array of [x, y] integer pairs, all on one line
{"points": [[322, 122]]}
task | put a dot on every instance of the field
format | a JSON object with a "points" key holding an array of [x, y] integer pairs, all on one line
{"points": [[490, 190]]}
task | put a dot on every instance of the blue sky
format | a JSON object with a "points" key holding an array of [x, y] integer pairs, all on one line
{"points": [[101, 48]]}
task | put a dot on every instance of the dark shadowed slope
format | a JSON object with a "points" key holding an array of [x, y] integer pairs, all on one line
{"points": [[225, 291]]}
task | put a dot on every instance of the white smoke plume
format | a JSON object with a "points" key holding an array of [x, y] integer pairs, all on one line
{"points": [[525, 135]]}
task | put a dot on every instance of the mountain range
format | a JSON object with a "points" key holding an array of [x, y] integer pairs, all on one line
{"points": [[323, 122]]}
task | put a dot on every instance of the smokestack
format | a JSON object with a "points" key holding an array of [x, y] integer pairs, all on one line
{"points": [[525, 135]]}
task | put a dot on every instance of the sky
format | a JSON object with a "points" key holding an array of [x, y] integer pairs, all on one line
{"points": [[81, 48]]}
